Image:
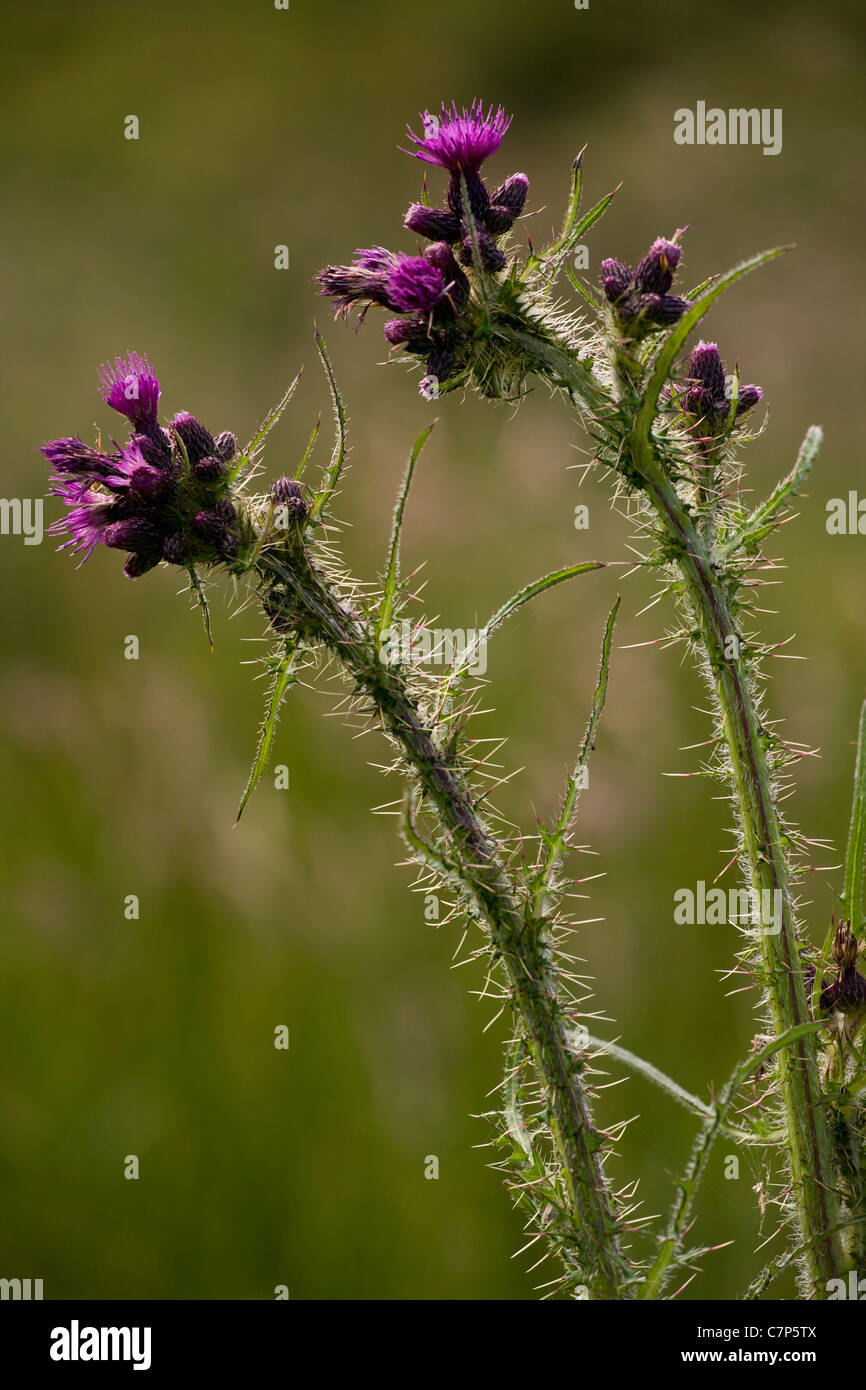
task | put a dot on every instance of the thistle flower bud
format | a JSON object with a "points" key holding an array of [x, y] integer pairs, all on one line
{"points": [[137, 565], [661, 309], [154, 448], [226, 445], [456, 283], [209, 527], [401, 330], [210, 469], [133, 533], [175, 549], [615, 279], [288, 493], [506, 204], [434, 223], [197, 441], [491, 257], [655, 272], [707, 398]]}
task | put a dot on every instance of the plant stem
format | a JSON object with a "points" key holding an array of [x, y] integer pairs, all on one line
{"points": [[812, 1168], [517, 936]]}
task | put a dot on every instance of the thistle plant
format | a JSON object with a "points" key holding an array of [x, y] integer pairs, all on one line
{"points": [[472, 312]]}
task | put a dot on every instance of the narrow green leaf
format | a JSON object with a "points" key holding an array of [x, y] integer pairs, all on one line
{"points": [[761, 521], [311, 444], [852, 897], [338, 457], [245, 458], [392, 574], [557, 839], [284, 677]]}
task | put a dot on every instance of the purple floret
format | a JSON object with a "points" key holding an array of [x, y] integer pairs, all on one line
{"points": [[131, 387], [460, 139]]}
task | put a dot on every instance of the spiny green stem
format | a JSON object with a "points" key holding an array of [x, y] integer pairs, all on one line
{"points": [[812, 1168], [517, 936]]}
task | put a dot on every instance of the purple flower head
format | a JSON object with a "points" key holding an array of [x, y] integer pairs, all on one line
{"points": [[131, 387], [401, 330], [414, 285], [708, 398], [662, 310], [460, 140], [433, 223], [506, 204], [211, 469], [363, 282], [288, 494], [655, 272], [134, 533], [197, 441], [489, 254], [615, 279], [226, 445], [138, 497], [706, 368]]}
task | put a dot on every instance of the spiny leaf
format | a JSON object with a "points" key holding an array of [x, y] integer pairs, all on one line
{"points": [[197, 588], [245, 458], [309, 449], [392, 575], [335, 467], [852, 897], [762, 520], [284, 677], [556, 840], [674, 342], [531, 591]]}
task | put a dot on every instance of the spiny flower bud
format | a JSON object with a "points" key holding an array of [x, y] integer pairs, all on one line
{"points": [[491, 257], [615, 279], [197, 441], [288, 493], [226, 445], [210, 527], [707, 398], [210, 469], [506, 204], [134, 533], [175, 548], [137, 565], [434, 223], [655, 272]]}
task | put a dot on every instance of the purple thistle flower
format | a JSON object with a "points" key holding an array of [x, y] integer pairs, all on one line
{"points": [[615, 279], [364, 280], [86, 521], [433, 223], [491, 257], [460, 140], [197, 441], [131, 387], [506, 204], [175, 548], [226, 445], [211, 469], [134, 533], [414, 285], [707, 398], [640, 297], [654, 273]]}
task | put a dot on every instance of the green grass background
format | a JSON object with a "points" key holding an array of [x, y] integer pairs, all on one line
{"points": [[154, 1037]]}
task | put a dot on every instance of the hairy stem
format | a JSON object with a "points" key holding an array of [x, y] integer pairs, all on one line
{"points": [[764, 845], [296, 594]]}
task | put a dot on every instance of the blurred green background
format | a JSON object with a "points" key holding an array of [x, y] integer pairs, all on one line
{"points": [[154, 1037]]}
